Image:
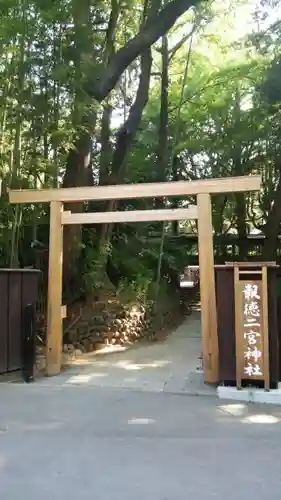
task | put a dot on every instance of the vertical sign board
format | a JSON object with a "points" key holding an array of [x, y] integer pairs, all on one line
{"points": [[251, 320], [252, 329]]}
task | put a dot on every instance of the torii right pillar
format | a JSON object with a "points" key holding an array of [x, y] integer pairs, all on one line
{"points": [[209, 326]]}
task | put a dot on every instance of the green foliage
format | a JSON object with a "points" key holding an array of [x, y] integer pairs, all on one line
{"points": [[136, 290], [223, 120], [94, 275]]}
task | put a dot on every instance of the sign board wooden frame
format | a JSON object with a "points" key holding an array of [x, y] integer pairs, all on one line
{"points": [[202, 189]]}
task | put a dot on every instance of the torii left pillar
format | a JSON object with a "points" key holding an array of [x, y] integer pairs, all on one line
{"points": [[54, 314]]}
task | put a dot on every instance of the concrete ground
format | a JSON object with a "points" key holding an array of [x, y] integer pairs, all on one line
{"points": [[63, 440]]}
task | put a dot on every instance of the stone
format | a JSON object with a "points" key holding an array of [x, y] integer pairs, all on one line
{"points": [[99, 320], [41, 363], [100, 345], [88, 345]]}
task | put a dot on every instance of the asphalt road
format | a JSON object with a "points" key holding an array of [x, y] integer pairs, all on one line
{"points": [[66, 443]]}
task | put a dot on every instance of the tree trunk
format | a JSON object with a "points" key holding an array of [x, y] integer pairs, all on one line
{"points": [[272, 225], [154, 28], [105, 156], [239, 169], [56, 102], [78, 173], [163, 153], [175, 177], [79, 161], [6, 92], [15, 174], [126, 135], [240, 216], [127, 132], [175, 159]]}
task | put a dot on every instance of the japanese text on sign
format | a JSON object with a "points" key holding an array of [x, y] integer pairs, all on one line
{"points": [[253, 358]]}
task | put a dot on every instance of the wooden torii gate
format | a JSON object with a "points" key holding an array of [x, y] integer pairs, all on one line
{"points": [[202, 189]]}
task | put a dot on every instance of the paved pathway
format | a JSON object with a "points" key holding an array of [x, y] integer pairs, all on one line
{"points": [[167, 366]]}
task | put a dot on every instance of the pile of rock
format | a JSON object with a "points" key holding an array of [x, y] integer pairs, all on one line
{"points": [[108, 323]]}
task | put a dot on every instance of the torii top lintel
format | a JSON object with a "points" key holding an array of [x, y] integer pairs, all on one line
{"points": [[144, 190]]}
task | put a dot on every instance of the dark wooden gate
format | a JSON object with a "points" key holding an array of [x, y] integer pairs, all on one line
{"points": [[18, 289]]}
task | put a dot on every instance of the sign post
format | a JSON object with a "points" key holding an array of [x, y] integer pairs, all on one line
{"points": [[251, 323]]}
